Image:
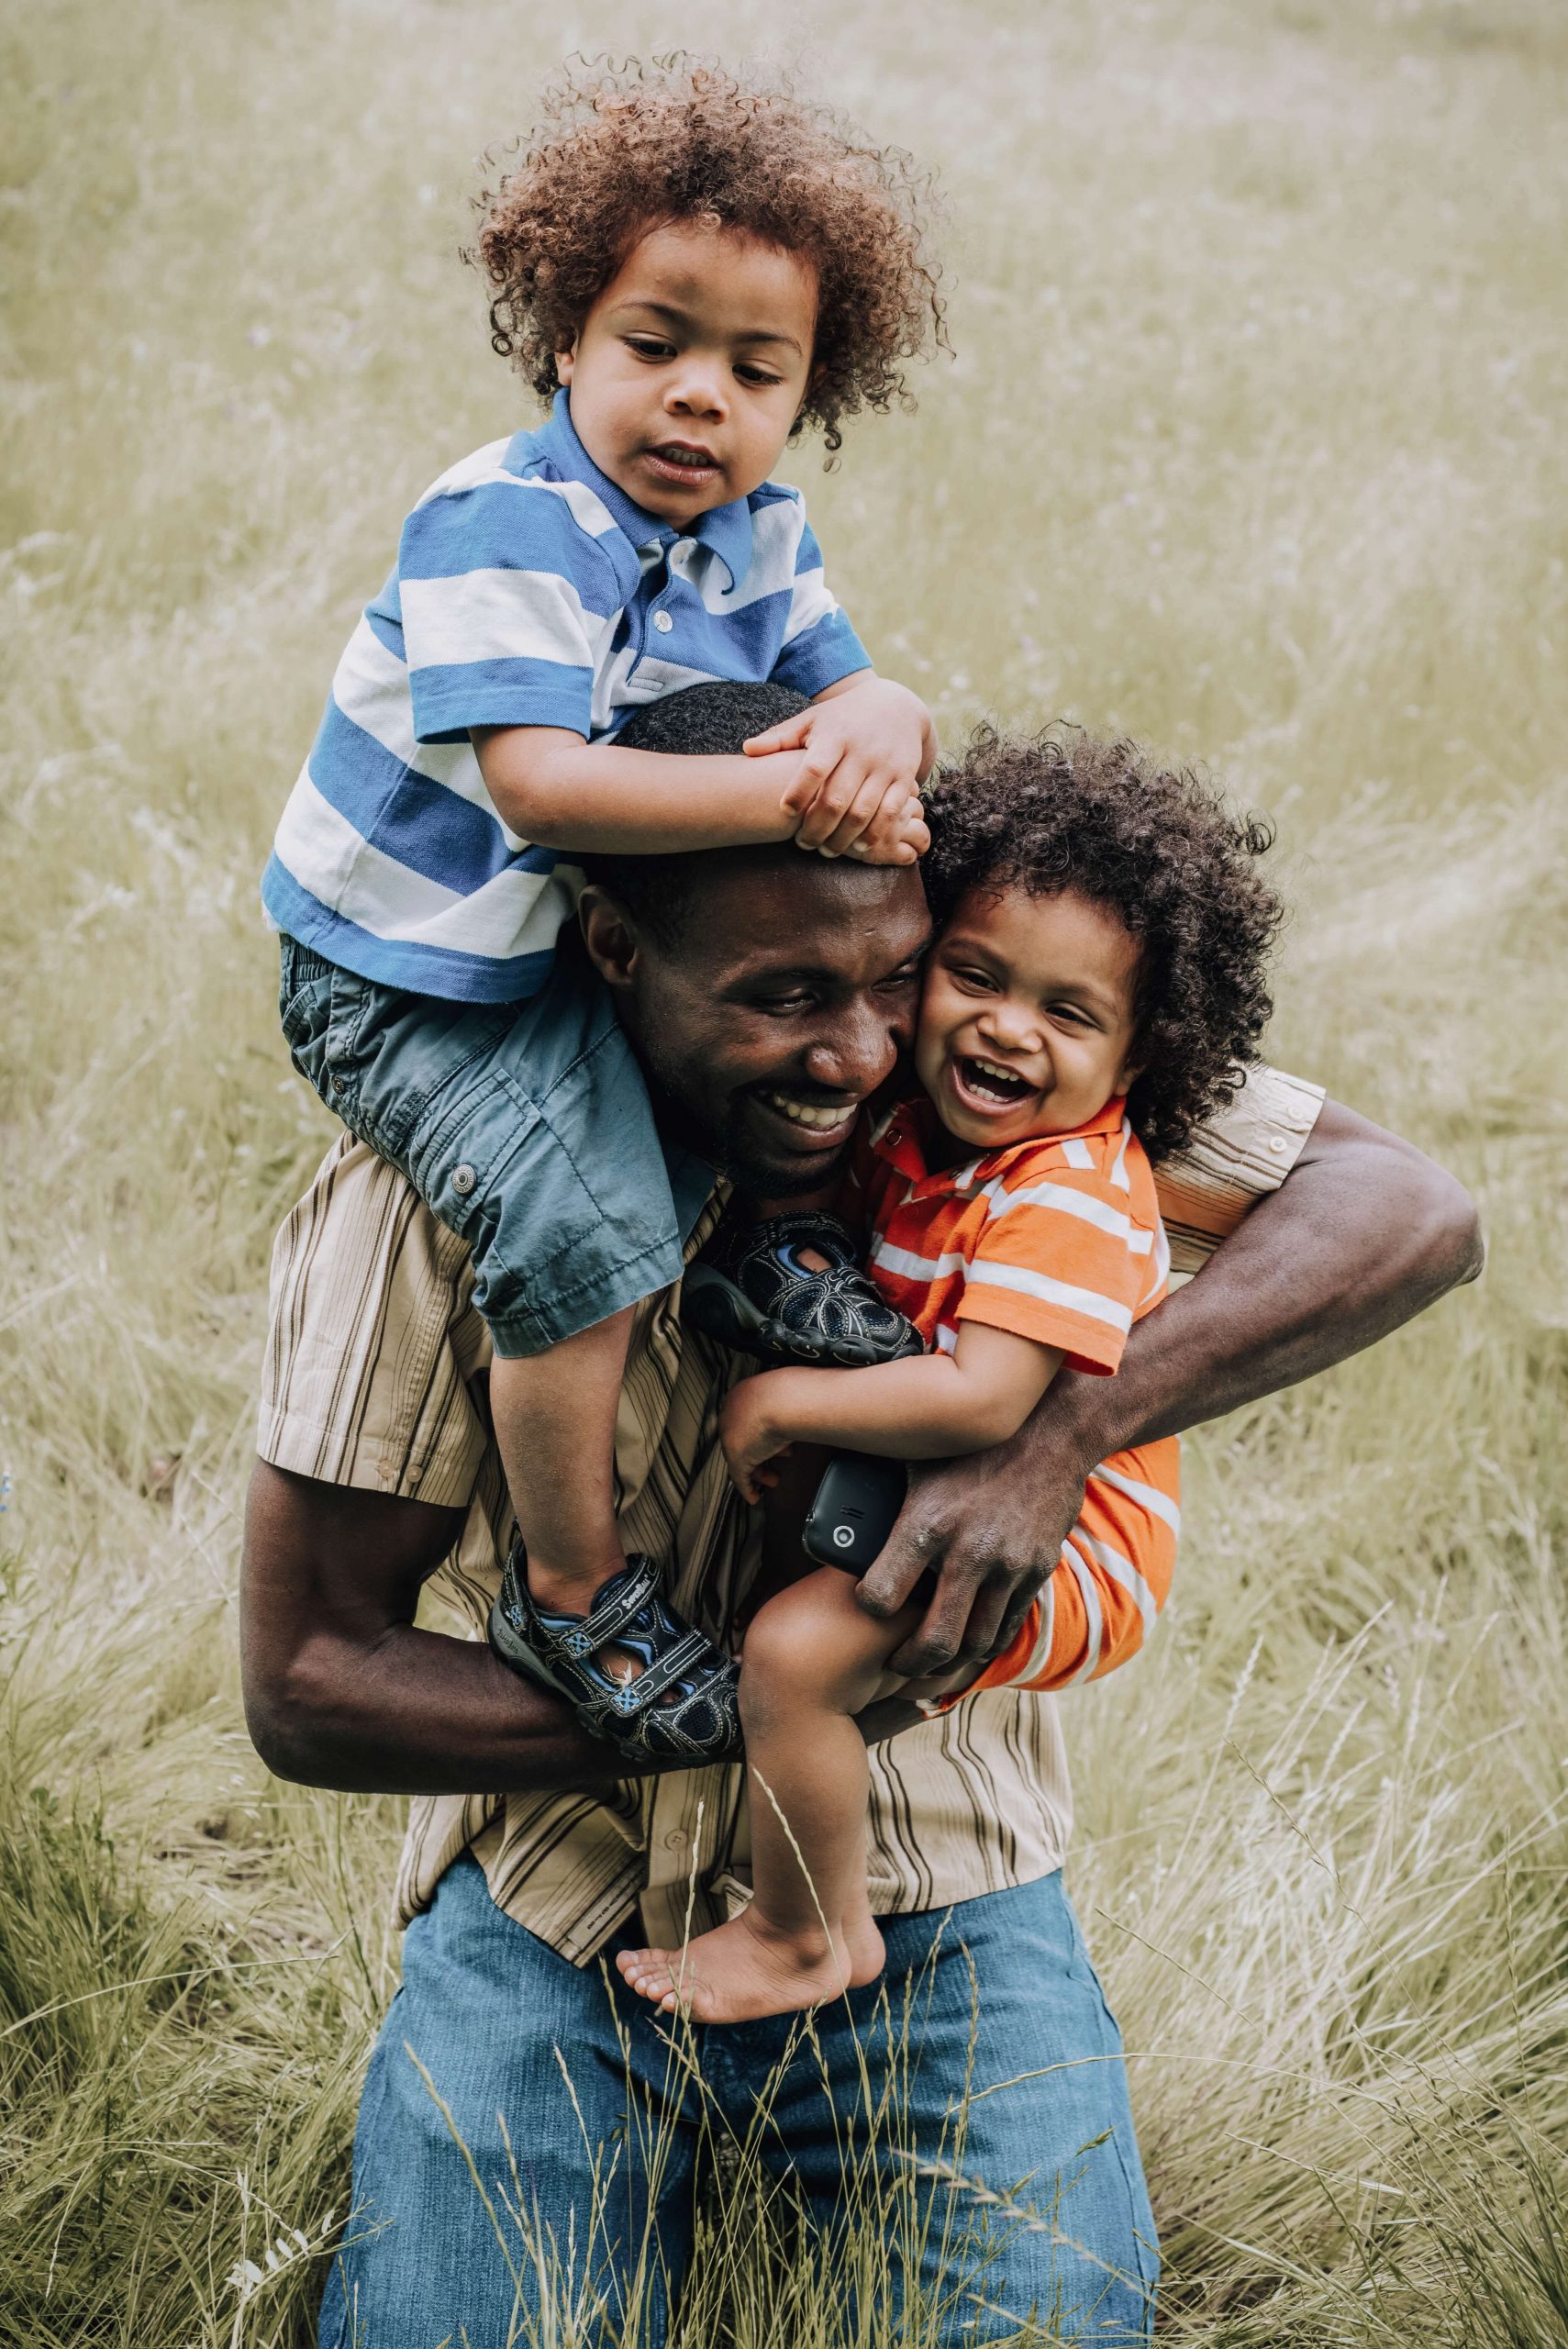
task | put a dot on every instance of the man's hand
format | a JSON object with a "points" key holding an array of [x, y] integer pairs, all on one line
{"points": [[1363, 1233], [990, 1528], [865, 748]]}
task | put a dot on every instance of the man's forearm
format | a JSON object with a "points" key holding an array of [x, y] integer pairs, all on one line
{"points": [[421, 1714]]}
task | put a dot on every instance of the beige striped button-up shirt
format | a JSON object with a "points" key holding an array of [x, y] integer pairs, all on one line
{"points": [[375, 1377]]}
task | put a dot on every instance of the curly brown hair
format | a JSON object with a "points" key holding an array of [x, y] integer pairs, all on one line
{"points": [[1167, 856], [619, 149]]}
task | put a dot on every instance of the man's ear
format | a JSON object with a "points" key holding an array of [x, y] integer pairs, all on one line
{"points": [[609, 933]]}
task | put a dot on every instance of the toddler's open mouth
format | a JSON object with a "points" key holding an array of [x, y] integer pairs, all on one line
{"points": [[677, 460], [988, 1084]]}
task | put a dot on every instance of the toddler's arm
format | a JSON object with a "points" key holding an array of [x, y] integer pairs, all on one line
{"points": [[551, 787], [933, 1407]]}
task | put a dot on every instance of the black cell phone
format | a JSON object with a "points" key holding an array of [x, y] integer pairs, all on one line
{"points": [[853, 1514]]}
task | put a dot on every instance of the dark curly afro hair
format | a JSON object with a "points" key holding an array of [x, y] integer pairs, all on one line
{"points": [[1167, 856], [618, 150]]}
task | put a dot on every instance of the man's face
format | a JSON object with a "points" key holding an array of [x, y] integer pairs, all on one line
{"points": [[786, 1000]]}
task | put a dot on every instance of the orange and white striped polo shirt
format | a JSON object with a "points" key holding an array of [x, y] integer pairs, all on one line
{"points": [[1059, 1240]]}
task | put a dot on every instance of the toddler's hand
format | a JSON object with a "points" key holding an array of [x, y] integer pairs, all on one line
{"points": [[749, 1443], [855, 791]]}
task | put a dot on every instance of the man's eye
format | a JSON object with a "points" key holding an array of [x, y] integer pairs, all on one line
{"points": [[779, 1005], [900, 980]]}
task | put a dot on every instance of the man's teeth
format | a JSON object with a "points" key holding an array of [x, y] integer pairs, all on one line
{"points": [[820, 1120]]}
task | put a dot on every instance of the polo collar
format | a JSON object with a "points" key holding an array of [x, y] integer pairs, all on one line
{"points": [[724, 531]]}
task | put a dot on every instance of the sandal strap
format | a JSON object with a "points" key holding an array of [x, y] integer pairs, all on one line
{"points": [[617, 1606], [634, 1696], [692, 1671]]}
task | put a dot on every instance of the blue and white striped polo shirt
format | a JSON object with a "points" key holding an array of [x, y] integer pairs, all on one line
{"points": [[528, 591]]}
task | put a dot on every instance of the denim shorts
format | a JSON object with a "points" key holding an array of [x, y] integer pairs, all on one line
{"points": [[524, 1127]]}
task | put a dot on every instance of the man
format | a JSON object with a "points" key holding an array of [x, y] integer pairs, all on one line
{"points": [[751, 984]]}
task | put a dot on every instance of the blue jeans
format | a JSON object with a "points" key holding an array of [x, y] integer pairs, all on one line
{"points": [[997, 1993], [526, 1127]]}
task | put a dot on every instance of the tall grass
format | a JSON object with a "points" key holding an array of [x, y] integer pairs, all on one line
{"points": [[1253, 445]]}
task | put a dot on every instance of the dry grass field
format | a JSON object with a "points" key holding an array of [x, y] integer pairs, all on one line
{"points": [[1253, 444]]}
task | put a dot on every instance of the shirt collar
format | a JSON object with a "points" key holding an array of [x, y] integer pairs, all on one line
{"points": [[906, 1139], [724, 531]]}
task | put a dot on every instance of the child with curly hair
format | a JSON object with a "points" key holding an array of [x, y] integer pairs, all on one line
{"points": [[1095, 990], [692, 270]]}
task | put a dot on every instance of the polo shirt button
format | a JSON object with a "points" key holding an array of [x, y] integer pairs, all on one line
{"points": [[663, 623], [463, 1180]]}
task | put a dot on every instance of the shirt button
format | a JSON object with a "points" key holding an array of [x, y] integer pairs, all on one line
{"points": [[1277, 1141], [663, 623], [463, 1180]]}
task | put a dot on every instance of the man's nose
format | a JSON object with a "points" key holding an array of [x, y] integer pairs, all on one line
{"points": [[857, 1050]]}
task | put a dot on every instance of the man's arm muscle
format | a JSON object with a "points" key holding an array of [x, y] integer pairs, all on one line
{"points": [[1363, 1233], [341, 1690]]}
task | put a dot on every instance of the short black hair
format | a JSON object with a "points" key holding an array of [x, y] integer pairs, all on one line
{"points": [[1166, 854], [712, 721]]}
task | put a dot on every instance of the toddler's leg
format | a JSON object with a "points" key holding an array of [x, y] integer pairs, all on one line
{"points": [[555, 1424], [812, 1659]]}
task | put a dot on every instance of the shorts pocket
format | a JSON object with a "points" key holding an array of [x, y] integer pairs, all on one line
{"points": [[305, 1008], [491, 1165]]}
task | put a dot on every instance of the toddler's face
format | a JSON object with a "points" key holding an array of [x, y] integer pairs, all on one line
{"points": [[692, 366], [1027, 1016]]}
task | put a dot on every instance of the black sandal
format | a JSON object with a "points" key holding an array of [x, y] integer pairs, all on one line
{"points": [[682, 1707], [749, 1290]]}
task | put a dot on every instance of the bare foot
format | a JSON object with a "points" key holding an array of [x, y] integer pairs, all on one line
{"points": [[744, 1970]]}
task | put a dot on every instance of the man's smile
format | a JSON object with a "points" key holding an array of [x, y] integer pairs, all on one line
{"points": [[826, 1124]]}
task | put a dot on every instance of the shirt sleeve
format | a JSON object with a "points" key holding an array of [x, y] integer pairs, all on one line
{"points": [[1239, 1156], [819, 646], [1062, 1260], [505, 601], [372, 1339]]}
